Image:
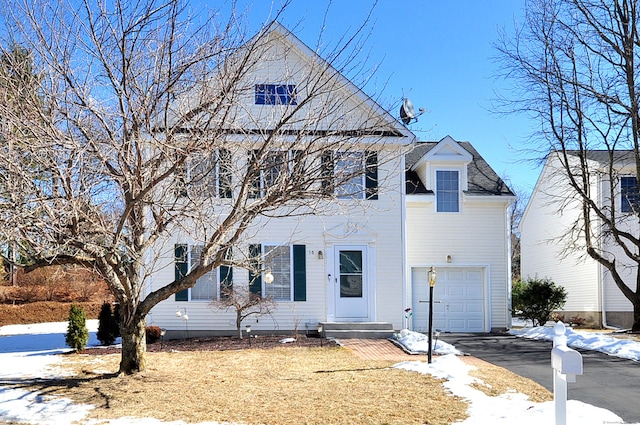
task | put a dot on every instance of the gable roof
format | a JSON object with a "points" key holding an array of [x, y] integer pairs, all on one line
{"points": [[384, 123], [482, 179]]}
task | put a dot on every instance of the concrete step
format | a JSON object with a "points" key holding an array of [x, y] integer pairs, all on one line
{"points": [[358, 330]]}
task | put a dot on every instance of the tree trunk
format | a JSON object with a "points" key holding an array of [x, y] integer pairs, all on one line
{"points": [[134, 347], [636, 317]]}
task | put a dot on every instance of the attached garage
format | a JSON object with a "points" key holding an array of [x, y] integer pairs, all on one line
{"points": [[459, 299]]}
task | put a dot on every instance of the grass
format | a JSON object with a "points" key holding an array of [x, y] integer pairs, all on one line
{"points": [[277, 386]]}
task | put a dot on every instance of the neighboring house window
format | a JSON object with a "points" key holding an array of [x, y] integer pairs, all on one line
{"points": [[351, 175], [211, 286], [206, 175], [287, 264], [275, 94], [447, 191], [270, 173], [630, 196]]}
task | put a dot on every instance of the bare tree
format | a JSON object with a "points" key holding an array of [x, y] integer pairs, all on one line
{"points": [[245, 304], [144, 121], [575, 65]]}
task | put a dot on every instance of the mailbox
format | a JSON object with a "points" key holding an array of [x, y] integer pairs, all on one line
{"points": [[566, 361]]}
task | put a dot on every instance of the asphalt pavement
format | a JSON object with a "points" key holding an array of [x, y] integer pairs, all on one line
{"points": [[608, 382]]}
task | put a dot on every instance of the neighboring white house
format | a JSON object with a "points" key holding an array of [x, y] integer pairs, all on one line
{"points": [[546, 252], [358, 260], [457, 220]]}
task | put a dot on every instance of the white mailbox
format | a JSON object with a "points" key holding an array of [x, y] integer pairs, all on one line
{"points": [[566, 361]]}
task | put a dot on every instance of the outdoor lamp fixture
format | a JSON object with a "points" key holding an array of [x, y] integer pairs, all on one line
{"points": [[182, 312], [163, 332], [268, 277], [432, 283], [320, 333], [248, 330]]}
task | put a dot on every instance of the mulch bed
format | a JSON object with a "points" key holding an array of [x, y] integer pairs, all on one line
{"points": [[221, 344]]}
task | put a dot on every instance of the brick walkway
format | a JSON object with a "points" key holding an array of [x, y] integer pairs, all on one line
{"points": [[383, 349], [378, 349]]}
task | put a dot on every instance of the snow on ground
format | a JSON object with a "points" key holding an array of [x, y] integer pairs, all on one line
{"points": [[596, 341], [27, 352]]}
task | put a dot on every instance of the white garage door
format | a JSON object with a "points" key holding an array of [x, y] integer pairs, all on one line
{"points": [[459, 300]]}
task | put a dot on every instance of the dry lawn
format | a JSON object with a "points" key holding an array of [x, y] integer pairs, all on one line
{"points": [[277, 386]]}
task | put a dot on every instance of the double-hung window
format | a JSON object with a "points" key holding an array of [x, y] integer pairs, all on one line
{"points": [[287, 265], [351, 174], [211, 286], [271, 172], [206, 174], [275, 94], [447, 191], [630, 201]]}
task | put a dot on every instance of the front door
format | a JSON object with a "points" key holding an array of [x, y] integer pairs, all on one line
{"points": [[352, 286]]}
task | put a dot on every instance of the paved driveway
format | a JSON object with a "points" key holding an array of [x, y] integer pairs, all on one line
{"points": [[608, 382]]}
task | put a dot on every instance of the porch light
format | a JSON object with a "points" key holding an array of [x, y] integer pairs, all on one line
{"points": [[432, 283]]}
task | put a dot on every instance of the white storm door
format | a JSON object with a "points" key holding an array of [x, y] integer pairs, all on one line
{"points": [[352, 286]]}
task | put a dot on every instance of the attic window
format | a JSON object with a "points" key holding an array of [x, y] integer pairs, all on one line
{"points": [[275, 94]]}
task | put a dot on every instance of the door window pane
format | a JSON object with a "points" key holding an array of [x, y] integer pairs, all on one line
{"points": [[351, 277]]}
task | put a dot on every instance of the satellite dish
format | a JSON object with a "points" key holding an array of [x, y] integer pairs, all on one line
{"points": [[407, 113]]}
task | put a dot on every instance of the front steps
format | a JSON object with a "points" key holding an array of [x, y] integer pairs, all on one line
{"points": [[357, 330]]}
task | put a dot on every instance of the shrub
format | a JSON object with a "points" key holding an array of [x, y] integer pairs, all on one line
{"points": [[536, 299], [107, 325], [153, 334], [77, 334]]}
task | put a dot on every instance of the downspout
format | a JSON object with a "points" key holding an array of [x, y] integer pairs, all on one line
{"points": [[403, 232], [509, 264]]}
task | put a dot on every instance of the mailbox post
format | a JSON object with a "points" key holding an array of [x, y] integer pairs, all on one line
{"points": [[566, 363]]}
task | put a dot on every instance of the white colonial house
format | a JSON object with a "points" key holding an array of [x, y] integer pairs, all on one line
{"points": [[551, 215], [352, 260], [457, 220]]}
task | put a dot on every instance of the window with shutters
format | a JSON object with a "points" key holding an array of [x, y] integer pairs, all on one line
{"points": [[210, 286], [271, 172], [351, 174], [206, 175], [287, 265]]}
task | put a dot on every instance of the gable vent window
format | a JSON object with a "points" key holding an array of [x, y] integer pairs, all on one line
{"points": [[276, 94]]}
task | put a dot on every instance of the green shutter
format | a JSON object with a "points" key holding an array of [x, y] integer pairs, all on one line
{"points": [[226, 276], [327, 172], [299, 273], [255, 275], [225, 173], [371, 180], [181, 269], [254, 174]]}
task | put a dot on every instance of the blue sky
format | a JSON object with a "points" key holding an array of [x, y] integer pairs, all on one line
{"points": [[437, 53]]}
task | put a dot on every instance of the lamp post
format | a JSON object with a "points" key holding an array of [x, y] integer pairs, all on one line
{"points": [[248, 329], [432, 283]]}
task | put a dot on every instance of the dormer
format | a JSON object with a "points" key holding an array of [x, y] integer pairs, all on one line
{"points": [[448, 173]]}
